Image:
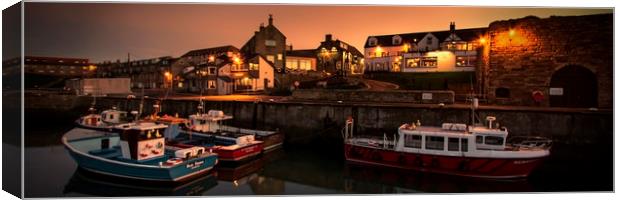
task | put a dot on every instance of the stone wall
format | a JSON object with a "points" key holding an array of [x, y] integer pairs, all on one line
{"points": [[524, 54], [400, 96]]}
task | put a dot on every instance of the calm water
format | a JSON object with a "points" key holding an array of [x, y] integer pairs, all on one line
{"points": [[50, 172]]}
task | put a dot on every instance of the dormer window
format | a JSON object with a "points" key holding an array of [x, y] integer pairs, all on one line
{"points": [[396, 40], [372, 41]]}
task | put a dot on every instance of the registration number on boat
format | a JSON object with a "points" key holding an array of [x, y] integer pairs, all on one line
{"points": [[194, 165]]}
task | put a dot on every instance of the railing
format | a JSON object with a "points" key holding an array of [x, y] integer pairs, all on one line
{"points": [[530, 142]]}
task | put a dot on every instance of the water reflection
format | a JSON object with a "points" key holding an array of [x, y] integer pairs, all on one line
{"points": [[377, 180], [87, 183]]}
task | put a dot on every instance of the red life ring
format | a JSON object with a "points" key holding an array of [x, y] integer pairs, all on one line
{"points": [[538, 96]]}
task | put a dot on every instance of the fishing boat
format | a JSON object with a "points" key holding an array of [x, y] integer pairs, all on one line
{"points": [[474, 150], [272, 140], [104, 121], [137, 151], [203, 129]]}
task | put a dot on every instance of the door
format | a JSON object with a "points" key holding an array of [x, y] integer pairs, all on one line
{"points": [[573, 86]]}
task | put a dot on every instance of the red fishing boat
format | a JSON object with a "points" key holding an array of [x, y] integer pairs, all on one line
{"points": [[457, 149]]}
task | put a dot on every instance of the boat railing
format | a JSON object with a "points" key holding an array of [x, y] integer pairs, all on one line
{"points": [[530, 142], [373, 142]]}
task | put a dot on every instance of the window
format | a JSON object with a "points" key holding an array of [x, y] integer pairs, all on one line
{"points": [[412, 62], [305, 65], [212, 85], [334, 49], [429, 40], [270, 43], [429, 62], [279, 56], [434, 143], [291, 64], [464, 144], [253, 66], [479, 139], [396, 40], [502, 93], [372, 41], [271, 58], [466, 61], [413, 141], [453, 144], [493, 140]]}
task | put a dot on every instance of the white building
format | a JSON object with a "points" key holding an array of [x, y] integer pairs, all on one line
{"points": [[440, 51]]}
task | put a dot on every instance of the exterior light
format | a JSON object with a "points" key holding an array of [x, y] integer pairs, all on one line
{"points": [[483, 40], [211, 58], [378, 51], [511, 32], [236, 60]]}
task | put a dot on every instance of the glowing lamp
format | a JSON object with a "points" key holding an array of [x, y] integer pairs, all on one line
{"points": [[511, 32], [483, 40]]}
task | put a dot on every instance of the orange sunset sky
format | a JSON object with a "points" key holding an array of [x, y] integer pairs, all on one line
{"points": [[107, 31]]}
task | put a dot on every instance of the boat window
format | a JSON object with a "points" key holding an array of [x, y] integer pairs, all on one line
{"points": [[479, 139], [111, 116], [434, 142], [104, 116], [493, 140], [464, 144], [453, 144], [413, 141]]}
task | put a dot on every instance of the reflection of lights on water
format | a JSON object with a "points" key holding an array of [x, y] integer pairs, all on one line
{"points": [[236, 183]]}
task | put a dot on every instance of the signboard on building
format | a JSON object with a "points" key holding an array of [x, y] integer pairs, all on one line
{"points": [[427, 96], [556, 91]]}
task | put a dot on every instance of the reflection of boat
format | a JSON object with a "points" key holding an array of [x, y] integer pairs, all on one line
{"points": [[372, 179], [247, 173], [456, 149], [85, 182], [137, 152]]}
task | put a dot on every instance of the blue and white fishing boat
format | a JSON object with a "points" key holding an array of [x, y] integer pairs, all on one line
{"points": [[138, 151]]}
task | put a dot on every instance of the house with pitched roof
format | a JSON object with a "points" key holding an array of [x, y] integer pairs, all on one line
{"points": [[339, 57], [439, 51]]}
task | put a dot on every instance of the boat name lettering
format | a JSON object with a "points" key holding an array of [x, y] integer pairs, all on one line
{"points": [[195, 164]]}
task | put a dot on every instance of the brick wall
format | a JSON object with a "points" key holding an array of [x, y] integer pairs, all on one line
{"points": [[524, 54]]}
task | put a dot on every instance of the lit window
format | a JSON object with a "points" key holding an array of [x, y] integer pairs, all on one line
{"points": [[279, 56], [211, 84], [466, 61], [412, 62], [271, 58], [270, 43], [334, 49], [429, 61]]}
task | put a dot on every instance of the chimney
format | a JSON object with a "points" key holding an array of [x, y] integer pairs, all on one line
{"points": [[261, 27], [270, 19], [328, 37], [452, 27]]}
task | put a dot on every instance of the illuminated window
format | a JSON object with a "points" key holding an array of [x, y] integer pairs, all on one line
{"points": [[305, 65], [271, 58], [334, 49], [253, 66], [466, 61], [429, 61], [291, 64], [211, 84], [279, 56]]}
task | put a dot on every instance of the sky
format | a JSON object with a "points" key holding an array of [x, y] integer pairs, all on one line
{"points": [[109, 31]]}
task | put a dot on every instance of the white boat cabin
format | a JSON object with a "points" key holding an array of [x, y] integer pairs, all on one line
{"points": [[142, 141], [209, 122], [113, 116], [450, 139], [91, 120]]}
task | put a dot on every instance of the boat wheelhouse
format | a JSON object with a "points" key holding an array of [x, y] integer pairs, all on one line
{"points": [[212, 122], [138, 151], [456, 149], [106, 120]]}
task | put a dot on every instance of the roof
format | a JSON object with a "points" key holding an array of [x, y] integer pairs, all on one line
{"points": [[55, 61], [465, 35], [308, 53], [212, 50]]}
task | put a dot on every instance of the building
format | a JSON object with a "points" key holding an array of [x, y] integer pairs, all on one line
{"points": [[301, 61], [557, 61], [338, 57], [58, 66], [440, 51], [152, 73], [222, 70], [99, 86], [270, 43]]}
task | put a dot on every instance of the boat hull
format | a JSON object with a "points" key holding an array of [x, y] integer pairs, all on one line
{"points": [[271, 141], [452, 165], [239, 154]]}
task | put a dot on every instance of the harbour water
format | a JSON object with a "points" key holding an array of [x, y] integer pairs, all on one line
{"points": [[318, 168]]}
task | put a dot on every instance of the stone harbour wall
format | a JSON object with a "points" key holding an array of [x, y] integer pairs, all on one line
{"points": [[398, 96], [525, 53]]}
